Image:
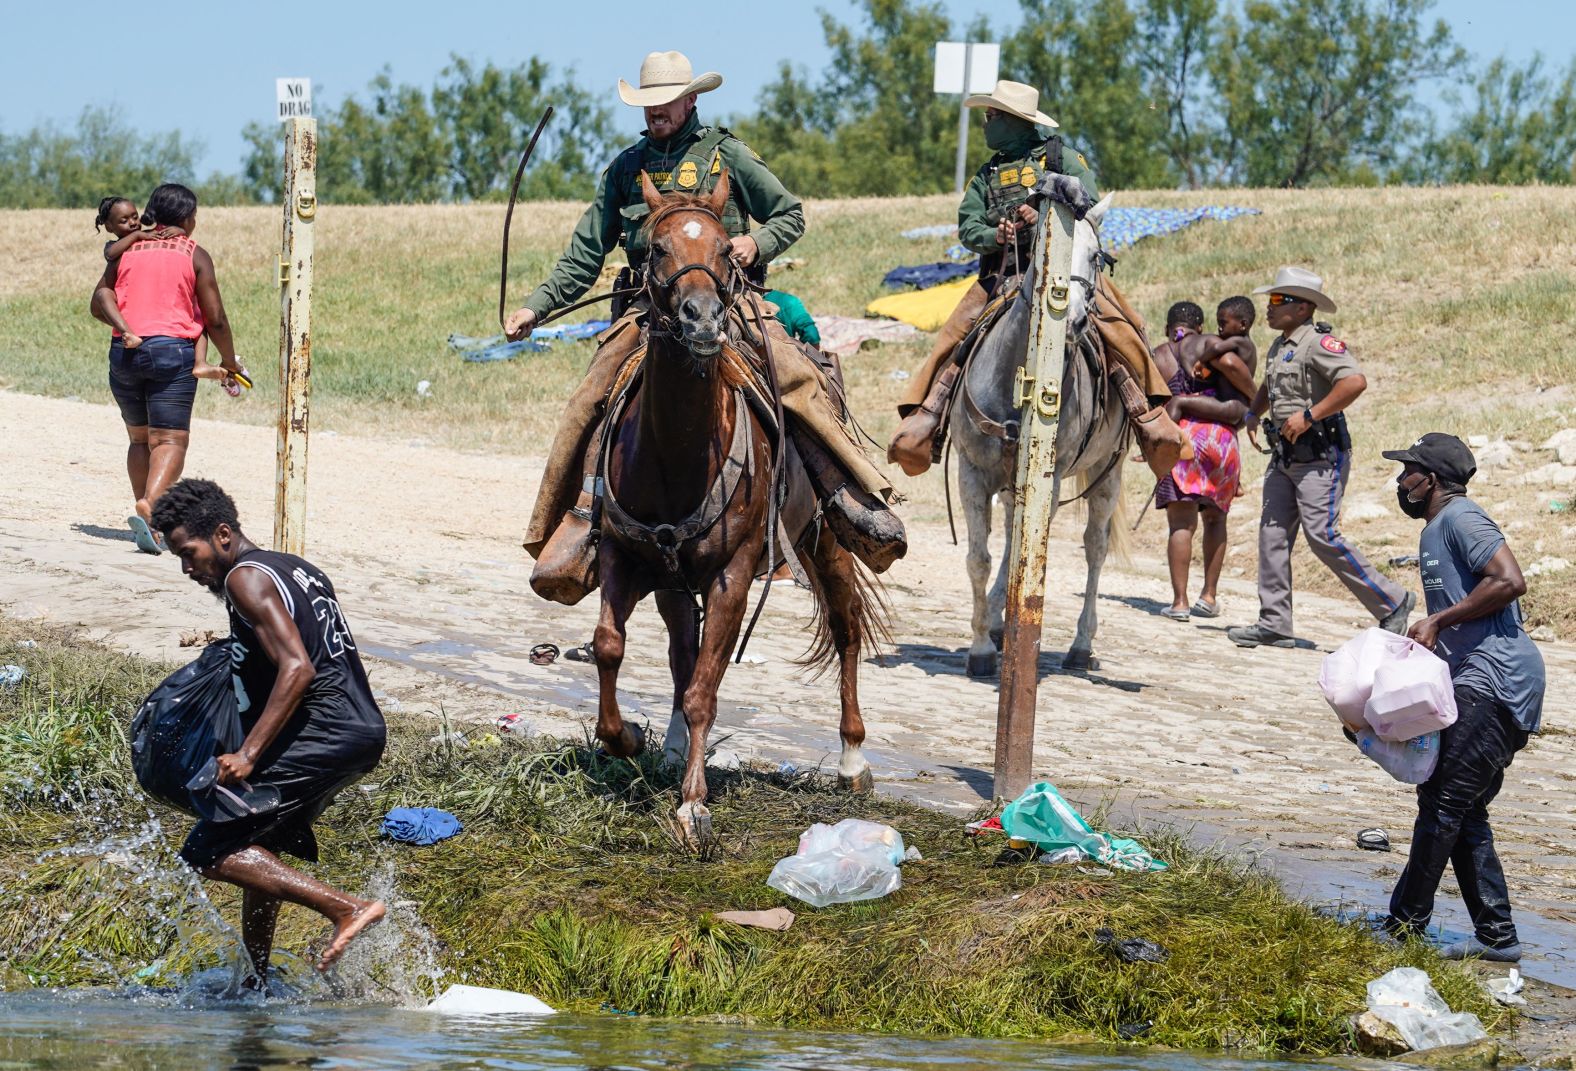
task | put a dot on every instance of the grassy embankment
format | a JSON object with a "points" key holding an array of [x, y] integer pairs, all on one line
{"points": [[567, 883], [1460, 302]]}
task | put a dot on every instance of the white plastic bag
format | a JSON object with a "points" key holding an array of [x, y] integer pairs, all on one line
{"points": [[853, 860], [1411, 761], [476, 1000], [1406, 999], [1412, 695], [1346, 676]]}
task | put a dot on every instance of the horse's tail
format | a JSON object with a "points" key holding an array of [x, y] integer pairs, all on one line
{"points": [[872, 616]]}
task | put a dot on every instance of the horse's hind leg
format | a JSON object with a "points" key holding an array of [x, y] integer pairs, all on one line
{"points": [[844, 605], [996, 603], [619, 596], [1097, 540], [975, 492], [678, 613]]}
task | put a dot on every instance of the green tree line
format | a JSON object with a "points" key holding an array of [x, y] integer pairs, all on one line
{"points": [[1157, 93]]}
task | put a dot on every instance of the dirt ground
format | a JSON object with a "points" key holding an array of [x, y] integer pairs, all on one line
{"points": [[423, 545]]}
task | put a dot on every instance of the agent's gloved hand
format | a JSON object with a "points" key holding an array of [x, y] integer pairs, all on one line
{"points": [[1064, 189]]}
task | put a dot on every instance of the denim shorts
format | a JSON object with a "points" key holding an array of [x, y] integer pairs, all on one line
{"points": [[154, 384]]}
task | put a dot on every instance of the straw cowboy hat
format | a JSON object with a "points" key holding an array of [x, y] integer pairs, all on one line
{"points": [[1014, 98], [664, 78], [1299, 283]]}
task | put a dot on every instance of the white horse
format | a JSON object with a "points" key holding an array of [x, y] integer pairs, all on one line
{"points": [[1091, 440]]}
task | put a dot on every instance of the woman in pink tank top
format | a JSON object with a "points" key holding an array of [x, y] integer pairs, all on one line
{"points": [[164, 291]]}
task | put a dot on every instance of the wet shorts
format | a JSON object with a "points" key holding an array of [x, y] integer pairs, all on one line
{"points": [[153, 384]]}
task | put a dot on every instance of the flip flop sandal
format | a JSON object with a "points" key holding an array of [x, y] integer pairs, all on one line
{"points": [[544, 654], [144, 535], [1374, 840], [1174, 615], [583, 653], [1204, 609]]}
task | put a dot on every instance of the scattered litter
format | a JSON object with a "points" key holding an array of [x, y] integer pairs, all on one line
{"points": [[1042, 817], [510, 723], [611, 1010], [1131, 949], [1404, 560], [984, 825], [26, 645], [898, 375], [1129, 1031], [787, 769], [938, 230], [1406, 999], [777, 919], [853, 860], [845, 335], [1374, 840], [424, 389], [11, 676], [477, 1000], [1069, 854], [544, 654], [420, 825], [1507, 990], [753, 659]]}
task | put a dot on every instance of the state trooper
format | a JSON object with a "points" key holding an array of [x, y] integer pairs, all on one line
{"points": [[1310, 378]]}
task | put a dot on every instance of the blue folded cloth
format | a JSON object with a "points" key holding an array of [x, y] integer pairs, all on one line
{"points": [[924, 276], [420, 825]]}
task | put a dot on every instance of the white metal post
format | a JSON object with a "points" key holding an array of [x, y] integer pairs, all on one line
{"points": [[1039, 394], [295, 334], [961, 169]]}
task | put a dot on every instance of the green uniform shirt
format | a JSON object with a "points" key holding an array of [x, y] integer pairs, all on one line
{"points": [[794, 317], [616, 214], [1004, 182], [1302, 367]]}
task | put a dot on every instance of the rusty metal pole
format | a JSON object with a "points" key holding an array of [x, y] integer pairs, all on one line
{"points": [[1039, 394], [295, 334]]}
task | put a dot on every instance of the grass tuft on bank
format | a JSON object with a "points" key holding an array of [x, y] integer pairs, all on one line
{"points": [[569, 883]]}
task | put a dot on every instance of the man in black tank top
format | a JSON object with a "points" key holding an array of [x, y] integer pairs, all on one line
{"points": [[312, 726]]}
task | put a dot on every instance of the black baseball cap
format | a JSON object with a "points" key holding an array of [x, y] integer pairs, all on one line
{"points": [[1439, 453]]}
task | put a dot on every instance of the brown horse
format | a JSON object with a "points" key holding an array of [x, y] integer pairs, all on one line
{"points": [[688, 469]]}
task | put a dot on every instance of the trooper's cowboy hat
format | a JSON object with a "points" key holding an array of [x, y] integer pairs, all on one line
{"points": [[1014, 98], [1302, 284], [664, 78]]}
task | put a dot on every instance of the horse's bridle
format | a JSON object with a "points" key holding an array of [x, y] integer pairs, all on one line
{"points": [[659, 292]]}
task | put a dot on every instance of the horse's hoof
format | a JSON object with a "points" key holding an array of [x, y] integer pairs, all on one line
{"points": [[861, 784], [1080, 661], [982, 665], [694, 825], [628, 744], [996, 636]]}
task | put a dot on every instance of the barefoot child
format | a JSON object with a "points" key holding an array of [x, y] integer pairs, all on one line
{"points": [[118, 215], [312, 726]]}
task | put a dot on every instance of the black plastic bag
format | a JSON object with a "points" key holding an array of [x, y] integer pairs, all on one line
{"points": [[184, 724]]}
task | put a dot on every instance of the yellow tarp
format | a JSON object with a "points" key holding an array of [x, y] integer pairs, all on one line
{"points": [[925, 309]]}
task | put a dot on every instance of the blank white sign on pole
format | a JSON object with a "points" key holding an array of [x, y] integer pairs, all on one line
{"points": [[295, 98], [953, 57]]}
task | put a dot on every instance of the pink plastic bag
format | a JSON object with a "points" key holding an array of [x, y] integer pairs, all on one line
{"points": [[1412, 695], [1346, 676]]}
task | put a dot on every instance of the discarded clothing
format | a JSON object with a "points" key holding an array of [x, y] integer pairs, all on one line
{"points": [[420, 825], [1123, 227], [844, 335], [571, 332], [1042, 817], [1131, 949], [924, 276], [939, 230], [924, 309], [494, 348]]}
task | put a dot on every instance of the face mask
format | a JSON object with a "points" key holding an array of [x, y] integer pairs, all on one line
{"points": [[1413, 509], [1003, 130]]}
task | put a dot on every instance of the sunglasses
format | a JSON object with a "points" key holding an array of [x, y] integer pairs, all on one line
{"points": [[1277, 300]]}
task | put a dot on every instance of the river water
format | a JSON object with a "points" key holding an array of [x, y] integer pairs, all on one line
{"points": [[141, 1031]]}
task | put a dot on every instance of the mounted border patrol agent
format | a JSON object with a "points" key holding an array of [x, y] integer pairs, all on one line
{"points": [[996, 221], [687, 157], [1310, 379]]}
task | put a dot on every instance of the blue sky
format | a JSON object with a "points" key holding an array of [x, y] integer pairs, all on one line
{"points": [[211, 71]]}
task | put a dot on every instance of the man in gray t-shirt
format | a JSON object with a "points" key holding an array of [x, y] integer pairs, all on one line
{"points": [[1471, 582]]}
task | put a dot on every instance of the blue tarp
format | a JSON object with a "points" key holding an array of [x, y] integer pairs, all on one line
{"points": [[1122, 227], [495, 348]]}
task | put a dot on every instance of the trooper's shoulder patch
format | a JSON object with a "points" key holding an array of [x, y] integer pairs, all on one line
{"points": [[1081, 160], [1332, 344]]}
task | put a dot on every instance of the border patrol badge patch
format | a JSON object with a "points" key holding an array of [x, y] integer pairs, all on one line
{"points": [[1333, 344], [1026, 177], [689, 175], [1009, 176]]}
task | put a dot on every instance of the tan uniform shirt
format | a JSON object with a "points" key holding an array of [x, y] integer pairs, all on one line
{"points": [[1302, 367]]}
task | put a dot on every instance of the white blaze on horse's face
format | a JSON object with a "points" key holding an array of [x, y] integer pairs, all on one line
{"points": [[692, 229]]}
